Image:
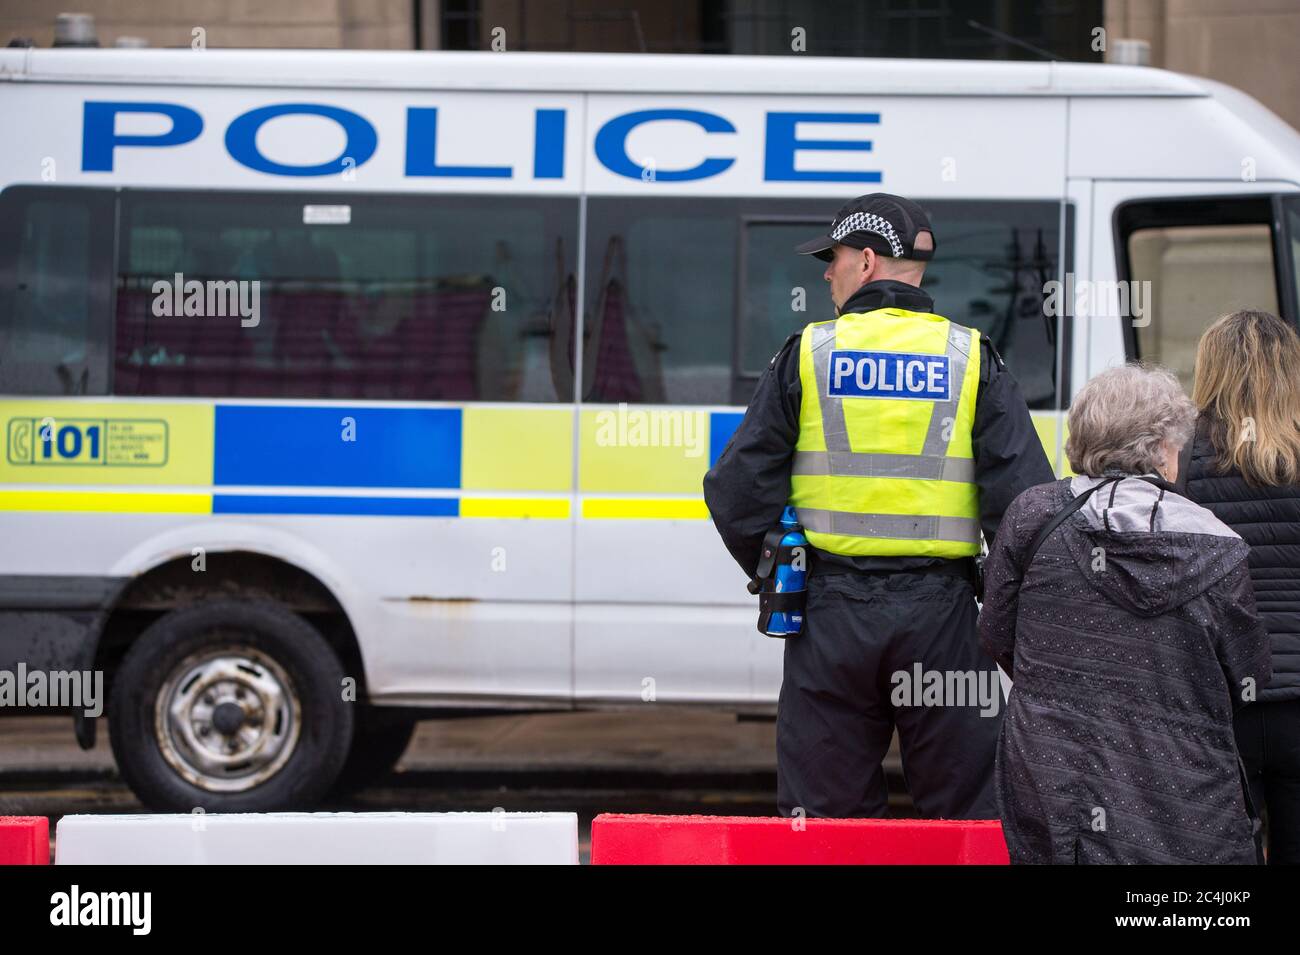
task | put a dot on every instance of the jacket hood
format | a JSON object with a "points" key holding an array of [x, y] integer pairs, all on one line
{"points": [[1146, 549]]}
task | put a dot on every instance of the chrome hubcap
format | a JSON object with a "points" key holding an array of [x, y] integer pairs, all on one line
{"points": [[228, 719]]}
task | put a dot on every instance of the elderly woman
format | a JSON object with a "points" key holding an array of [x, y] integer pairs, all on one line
{"points": [[1124, 615]]}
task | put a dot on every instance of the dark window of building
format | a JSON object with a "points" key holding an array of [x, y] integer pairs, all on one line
{"points": [[932, 29], [460, 24]]}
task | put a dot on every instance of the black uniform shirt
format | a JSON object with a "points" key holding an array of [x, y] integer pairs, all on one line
{"points": [[749, 486]]}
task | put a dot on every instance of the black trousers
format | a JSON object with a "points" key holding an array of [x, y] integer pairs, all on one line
{"points": [[841, 691], [1268, 738]]}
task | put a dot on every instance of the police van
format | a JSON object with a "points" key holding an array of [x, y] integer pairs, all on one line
{"points": [[390, 379]]}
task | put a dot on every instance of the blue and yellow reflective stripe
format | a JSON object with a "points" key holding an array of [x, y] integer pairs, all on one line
{"points": [[334, 504], [648, 463], [158, 502], [649, 450], [620, 508], [61, 441], [634, 463], [492, 448], [108, 502], [337, 446], [1052, 430], [510, 449], [541, 507]]}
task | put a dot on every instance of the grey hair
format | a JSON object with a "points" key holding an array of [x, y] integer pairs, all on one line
{"points": [[1120, 417]]}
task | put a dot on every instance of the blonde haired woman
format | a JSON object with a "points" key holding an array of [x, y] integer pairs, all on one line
{"points": [[1244, 465]]}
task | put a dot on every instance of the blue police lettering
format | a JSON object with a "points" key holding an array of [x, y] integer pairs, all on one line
{"points": [[99, 130], [548, 144], [422, 149], [871, 374], [100, 140], [611, 144], [241, 139], [778, 161]]}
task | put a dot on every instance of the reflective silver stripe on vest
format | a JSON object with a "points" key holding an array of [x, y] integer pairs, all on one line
{"points": [[834, 431], [898, 526], [958, 356], [850, 464], [932, 464]]}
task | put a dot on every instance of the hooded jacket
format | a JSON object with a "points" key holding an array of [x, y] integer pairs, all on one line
{"points": [[1130, 641]]}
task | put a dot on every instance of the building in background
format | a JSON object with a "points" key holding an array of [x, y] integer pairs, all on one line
{"points": [[1250, 44]]}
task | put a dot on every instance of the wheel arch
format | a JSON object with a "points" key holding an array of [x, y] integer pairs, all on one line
{"points": [[251, 562]]}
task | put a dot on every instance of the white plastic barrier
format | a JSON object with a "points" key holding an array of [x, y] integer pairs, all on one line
{"points": [[320, 838]]}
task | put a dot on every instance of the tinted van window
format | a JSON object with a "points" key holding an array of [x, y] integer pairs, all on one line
{"points": [[56, 248], [688, 299], [413, 298]]}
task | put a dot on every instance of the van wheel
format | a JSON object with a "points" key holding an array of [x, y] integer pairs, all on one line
{"points": [[378, 742], [231, 706]]}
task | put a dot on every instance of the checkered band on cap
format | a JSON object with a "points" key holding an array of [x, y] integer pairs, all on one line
{"points": [[869, 222]]}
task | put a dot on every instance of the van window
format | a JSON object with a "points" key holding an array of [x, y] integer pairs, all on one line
{"points": [[380, 297], [688, 299], [992, 265], [661, 300], [56, 251], [1203, 259]]}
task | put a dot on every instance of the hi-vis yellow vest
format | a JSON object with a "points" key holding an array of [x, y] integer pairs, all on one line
{"points": [[883, 465]]}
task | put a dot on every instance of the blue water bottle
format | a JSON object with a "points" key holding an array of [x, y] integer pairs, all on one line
{"points": [[791, 575]]}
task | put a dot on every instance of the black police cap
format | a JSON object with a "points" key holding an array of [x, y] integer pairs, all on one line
{"points": [[888, 224]]}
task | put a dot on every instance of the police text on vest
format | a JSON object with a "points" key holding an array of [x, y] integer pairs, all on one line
{"points": [[887, 374]]}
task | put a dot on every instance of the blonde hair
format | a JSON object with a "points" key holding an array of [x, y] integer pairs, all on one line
{"points": [[1246, 385], [1120, 419]]}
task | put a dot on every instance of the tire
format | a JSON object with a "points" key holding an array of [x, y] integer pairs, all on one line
{"points": [[378, 742], [231, 706]]}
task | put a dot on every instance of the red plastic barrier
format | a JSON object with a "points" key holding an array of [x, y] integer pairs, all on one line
{"points": [[24, 840], [619, 839]]}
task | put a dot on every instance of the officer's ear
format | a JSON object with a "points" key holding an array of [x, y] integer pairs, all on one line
{"points": [[868, 260]]}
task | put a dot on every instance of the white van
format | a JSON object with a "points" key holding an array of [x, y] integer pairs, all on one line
{"points": [[292, 408]]}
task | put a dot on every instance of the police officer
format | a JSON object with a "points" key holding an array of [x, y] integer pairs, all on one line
{"points": [[898, 436]]}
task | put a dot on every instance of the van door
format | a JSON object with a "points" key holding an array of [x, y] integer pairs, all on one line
{"points": [[1179, 255]]}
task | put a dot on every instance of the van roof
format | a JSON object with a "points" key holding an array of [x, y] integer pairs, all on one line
{"points": [[591, 72]]}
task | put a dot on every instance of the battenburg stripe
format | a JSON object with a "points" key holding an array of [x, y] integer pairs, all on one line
{"points": [[318, 504], [645, 509], [300, 446], [111, 502]]}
